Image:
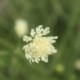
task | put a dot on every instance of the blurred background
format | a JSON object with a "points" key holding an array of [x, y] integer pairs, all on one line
{"points": [[17, 17]]}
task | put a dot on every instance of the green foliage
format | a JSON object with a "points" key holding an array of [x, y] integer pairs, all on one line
{"points": [[63, 18]]}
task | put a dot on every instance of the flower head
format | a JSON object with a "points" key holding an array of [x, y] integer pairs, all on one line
{"points": [[39, 46], [21, 27]]}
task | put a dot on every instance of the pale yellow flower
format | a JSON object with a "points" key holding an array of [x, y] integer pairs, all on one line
{"points": [[77, 64], [21, 27], [39, 46]]}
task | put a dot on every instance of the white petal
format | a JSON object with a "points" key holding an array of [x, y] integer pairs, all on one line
{"points": [[46, 31], [32, 32], [54, 51], [36, 61], [39, 29], [27, 56], [55, 37], [26, 38], [45, 59]]}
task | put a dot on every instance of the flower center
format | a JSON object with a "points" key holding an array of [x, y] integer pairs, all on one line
{"points": [[40, 46]]}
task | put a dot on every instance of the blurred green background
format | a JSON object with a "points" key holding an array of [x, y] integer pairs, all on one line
{"points": [[63, 18]]}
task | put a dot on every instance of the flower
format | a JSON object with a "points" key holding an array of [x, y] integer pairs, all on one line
{"points": [[39, 46], [77, 64], [21, 27]]}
